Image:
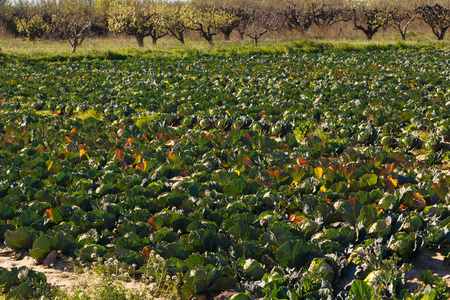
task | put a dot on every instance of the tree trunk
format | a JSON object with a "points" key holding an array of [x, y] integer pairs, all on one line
{"points": [[442, 34], [154, 39], [74, 45], [140, 41], [207, 37], [255, 42]]}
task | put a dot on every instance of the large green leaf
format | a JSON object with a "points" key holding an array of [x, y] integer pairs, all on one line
{"points": [[294, 253], [206, 279], [350, 211], [21, 238], [41, 247], [360, 290]]}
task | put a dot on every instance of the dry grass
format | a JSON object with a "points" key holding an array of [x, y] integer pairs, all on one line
{"points": [[419, 33]]}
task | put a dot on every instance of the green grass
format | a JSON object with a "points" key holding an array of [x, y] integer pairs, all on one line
{"points": [[118, 48], [90, 113]]}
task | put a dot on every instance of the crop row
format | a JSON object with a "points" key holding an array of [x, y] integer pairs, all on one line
{"points": [[273, 175]]}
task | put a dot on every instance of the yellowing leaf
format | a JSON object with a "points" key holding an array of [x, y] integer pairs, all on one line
{"points": [[137, 159], [237, 172], [318, 172], [50, 166], [82, 152]]}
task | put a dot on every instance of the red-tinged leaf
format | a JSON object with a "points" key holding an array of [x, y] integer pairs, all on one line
{"points": [[67, 139], [295, 219], [403, 207], [441, 190], [419, 202], [248, 136], [346, 171], [129, 141], [119, 154], [379, 209], [248, 162], [332, 168], [125, 166], [389, 183], [145, 251], [142, 166], [265, 183], [275, 174], [74, 130], [161, 136], [352, 202], [329, 201], [48, 213], [390, 167], [152, 223], [302, 162]]}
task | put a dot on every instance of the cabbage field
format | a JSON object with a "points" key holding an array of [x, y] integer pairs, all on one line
{"points": [[283, 176]]}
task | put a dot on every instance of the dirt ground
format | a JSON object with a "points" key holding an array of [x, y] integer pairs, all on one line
{"points": [[57, 276], [61, 277], [429, 260]]}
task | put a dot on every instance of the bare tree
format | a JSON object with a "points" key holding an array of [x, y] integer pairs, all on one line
{"points": [[403, 16], [437, 17], [300, 16], [370, 17], [72, 20], [260, 22], [328, 13]]}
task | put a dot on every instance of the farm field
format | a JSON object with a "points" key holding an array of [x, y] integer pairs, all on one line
{"points": [[289, 175]]}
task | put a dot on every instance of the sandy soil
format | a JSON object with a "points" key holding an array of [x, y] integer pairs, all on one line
{"points": [[61, 277], [56, 276], [430, 260]]}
